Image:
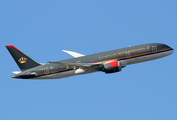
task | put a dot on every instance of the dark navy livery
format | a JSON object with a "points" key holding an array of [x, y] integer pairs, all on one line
{"points": [[108, 62]]}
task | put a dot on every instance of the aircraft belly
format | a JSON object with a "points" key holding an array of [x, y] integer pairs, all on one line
{"points": [[64, 74], [57, 75]]}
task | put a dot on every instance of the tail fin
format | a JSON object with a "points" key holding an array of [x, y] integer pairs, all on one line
{"points": [[23, 61]]}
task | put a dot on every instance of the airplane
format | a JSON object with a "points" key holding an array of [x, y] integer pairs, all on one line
{"points": [[107, 62]]}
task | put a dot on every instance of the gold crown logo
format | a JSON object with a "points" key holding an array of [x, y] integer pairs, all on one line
{"points": [[22, 60]]}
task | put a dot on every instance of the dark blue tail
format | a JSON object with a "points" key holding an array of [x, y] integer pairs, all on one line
{"points": [[23, 61]]}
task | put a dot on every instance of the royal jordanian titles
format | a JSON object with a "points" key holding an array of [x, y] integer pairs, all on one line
{"points": [[108, 62]]}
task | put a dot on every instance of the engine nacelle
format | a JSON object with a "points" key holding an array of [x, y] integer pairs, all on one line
{"points": [[112, 67]]}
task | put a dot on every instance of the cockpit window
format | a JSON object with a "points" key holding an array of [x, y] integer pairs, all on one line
{"points": [[165, 46]]}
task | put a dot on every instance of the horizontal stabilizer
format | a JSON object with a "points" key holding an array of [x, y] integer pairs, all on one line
{"points": [[74, 54], [16, 72]]}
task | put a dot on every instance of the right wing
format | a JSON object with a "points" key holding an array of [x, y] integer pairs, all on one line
{"points": [[74, 54]]}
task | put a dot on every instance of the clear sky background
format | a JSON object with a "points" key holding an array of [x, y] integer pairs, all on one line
{"points": [[43, 28]]}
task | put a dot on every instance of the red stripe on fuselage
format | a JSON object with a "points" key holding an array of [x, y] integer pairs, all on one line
{"points": [[112, 63], [53, 71], [132, 55]]}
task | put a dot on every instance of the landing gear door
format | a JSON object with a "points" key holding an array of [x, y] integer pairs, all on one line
{"points": [[154, 49]]}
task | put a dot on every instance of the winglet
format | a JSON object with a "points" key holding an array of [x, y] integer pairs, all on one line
{"points": [[74, 54]]}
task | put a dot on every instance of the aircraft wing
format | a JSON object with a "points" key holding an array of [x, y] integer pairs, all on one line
{"points": [[77, 64], [74, 54]]}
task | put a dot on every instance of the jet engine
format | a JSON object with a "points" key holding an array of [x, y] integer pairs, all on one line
{"points": [[111, 67]]}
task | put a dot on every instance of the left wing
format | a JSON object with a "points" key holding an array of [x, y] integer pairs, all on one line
{"points": [[80, 67], [86, 65]]}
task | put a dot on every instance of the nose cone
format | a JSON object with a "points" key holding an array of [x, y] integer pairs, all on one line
{"points": [[171, 50], [168, 48]]}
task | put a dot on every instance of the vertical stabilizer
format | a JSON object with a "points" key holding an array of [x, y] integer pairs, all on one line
{"points": [[23, 61]]}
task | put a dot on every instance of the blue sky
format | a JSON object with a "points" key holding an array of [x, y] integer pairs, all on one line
{"points": [[42, 29]]}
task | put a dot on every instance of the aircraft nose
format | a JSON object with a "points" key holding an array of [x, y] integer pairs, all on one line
{"points": [[166, 46], [171, 50]]}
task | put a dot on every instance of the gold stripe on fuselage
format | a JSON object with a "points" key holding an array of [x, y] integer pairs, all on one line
{"points": [[132, 55], [108, 60]]}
